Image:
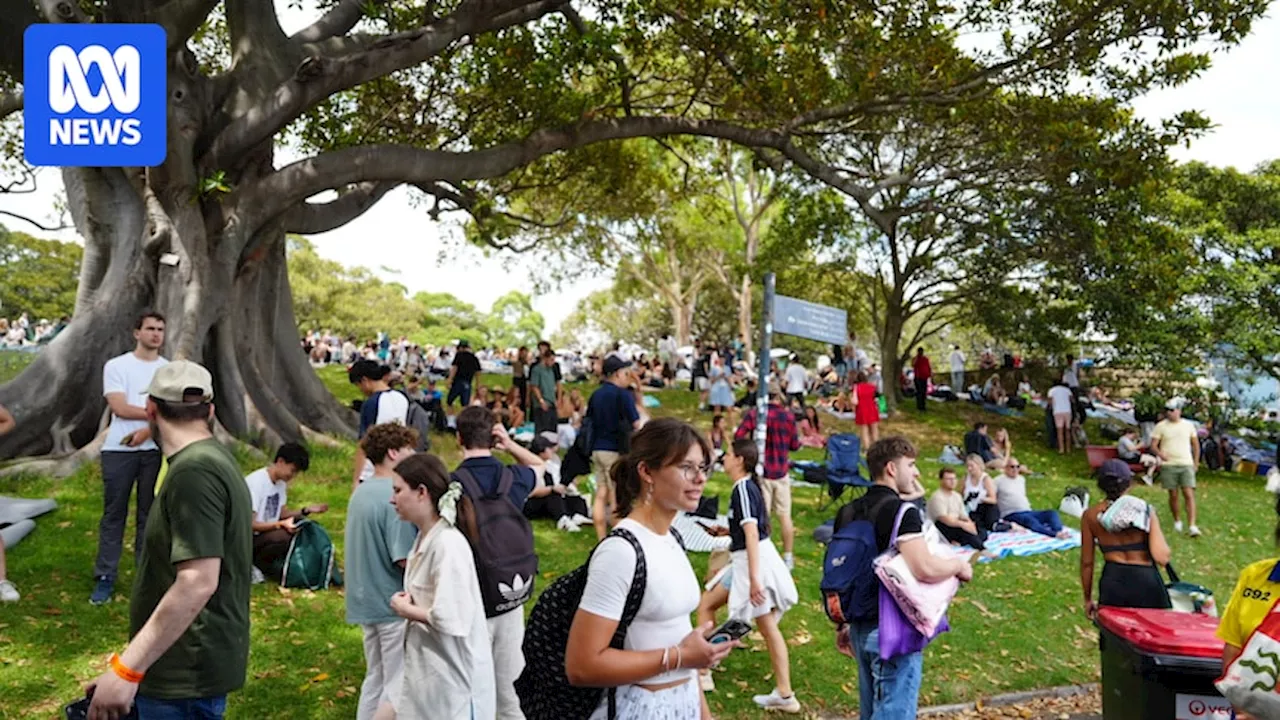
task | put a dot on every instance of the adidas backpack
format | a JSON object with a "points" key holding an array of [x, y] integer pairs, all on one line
{"points": [[506, 564], [850, 589], [543, 687]]}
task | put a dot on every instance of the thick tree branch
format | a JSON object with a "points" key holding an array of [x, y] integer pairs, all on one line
{"points": [[327, 71], [255, 29], [312, 218], [180, 18], [300, 180], [338, 21]]}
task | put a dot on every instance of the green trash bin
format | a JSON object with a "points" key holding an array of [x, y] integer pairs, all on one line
{"points": [[1160, 665]]}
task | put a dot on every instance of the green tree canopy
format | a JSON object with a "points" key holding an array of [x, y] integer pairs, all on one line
{"points": [[40, 276], [348, 301]]}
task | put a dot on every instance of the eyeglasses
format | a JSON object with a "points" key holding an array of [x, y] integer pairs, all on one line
{"points": [[692, 471]]}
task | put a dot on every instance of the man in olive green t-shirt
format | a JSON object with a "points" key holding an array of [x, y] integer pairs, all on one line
{"points": [[189, 614]]}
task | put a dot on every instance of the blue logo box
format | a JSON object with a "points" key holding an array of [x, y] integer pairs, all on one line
{"points": [[95, 95]]}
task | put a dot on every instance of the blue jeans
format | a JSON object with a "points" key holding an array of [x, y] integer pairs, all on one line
{"points": [[1045, 522], [887, 689], [210, 708], [459, 390]]}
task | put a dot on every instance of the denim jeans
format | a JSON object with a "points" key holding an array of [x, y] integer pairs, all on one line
{"points": [[120, 472], [210, 708], [1045, 522], [459, 391], [887, 689]]}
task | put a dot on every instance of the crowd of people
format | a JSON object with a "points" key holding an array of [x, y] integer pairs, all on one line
{"points": [[23, 333], [440, 562]]}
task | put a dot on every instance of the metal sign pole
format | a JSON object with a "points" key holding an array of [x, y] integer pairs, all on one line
{"points": [[762, 381]]}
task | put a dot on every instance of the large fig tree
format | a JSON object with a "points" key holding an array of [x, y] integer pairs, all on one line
{"points": [[473, 102]]}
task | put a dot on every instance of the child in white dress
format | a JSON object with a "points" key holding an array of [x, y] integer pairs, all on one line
{"points": [[448, 664]]}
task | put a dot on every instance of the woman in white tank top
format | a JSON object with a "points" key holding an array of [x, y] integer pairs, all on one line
{"points": [[654, 672], [980, 494]]}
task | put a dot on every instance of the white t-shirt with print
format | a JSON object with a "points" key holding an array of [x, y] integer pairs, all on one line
{"points": [[268, 497], [130, 375]]}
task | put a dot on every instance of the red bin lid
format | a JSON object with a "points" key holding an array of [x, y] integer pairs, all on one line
{"points": [[1163, 632]]}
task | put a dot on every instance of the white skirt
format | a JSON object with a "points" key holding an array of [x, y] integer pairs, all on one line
{"points": [[682, 702], [779, 588]]}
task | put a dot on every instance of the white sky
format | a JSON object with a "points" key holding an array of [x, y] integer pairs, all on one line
{"points": [[394, 234]]}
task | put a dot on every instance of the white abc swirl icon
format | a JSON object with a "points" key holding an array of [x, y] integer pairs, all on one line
{"points": [[69, 85]]}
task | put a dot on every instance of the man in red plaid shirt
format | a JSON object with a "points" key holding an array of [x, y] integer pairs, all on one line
{"points": [[781, 438]]}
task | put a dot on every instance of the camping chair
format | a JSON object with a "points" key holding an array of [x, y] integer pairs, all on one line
{"points": [[844, 463]]}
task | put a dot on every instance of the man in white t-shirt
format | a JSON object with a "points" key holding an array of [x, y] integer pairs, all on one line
{"points": [[957, 370], [273, 522], [1062, 405], [1177, 445], [797, 380], [129, 454]]}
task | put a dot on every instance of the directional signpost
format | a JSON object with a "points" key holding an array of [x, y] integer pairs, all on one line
{"points": [[790, 316]]}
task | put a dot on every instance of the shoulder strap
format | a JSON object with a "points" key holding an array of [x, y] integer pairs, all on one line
{"points": [[638, 584], [506, 480], [468, 482], [897, 523]]}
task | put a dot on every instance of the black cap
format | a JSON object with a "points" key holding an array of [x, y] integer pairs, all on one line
{"points": [[540, 445], [613, 364]]}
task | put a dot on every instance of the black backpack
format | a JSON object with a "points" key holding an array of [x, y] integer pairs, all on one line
{"points": [[506, 564], [543, 687]]}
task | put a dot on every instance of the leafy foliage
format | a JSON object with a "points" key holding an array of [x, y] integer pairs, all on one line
{"points": [[40, 276], [350, 301]]}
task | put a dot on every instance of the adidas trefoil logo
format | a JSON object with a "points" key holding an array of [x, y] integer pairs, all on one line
{"points": [[518, 588]]}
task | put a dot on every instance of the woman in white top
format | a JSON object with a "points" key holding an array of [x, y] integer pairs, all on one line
{"points": [[663, 473], [448, 664], [980, 496]]}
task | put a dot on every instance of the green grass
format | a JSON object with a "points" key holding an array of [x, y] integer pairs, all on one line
{"points": [[1019, 625]]}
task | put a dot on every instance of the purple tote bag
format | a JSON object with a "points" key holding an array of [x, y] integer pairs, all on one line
{"points": [[897, 635]]}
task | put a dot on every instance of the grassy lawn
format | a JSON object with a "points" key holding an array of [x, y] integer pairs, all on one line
{"points": [[1019, 625]]}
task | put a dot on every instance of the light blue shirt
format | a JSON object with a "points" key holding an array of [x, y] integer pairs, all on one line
{"points": [[376, 540]]}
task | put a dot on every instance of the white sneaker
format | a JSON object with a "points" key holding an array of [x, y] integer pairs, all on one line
{"points": [[580, 519], [790, 561], [1193, 531], [774, 702], [708, 682], [568, 525], [8, 593], [1177, 526], [257, 576]]}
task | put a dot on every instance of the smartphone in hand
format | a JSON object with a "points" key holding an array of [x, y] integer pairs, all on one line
{"points": [[728, 632]]}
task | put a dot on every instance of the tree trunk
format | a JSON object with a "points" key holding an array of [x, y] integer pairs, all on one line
{"points": [[744, 314], [232, 314], [682, 314], [894, 360]]}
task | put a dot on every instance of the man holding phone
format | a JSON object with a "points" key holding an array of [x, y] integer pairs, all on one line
{"points": [[129, 454]]}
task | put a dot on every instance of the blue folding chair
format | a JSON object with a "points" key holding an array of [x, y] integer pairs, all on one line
{"points": [[844, 468]]}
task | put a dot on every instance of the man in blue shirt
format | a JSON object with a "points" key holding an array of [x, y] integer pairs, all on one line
{"points": [[614, 417], [478, 433]]}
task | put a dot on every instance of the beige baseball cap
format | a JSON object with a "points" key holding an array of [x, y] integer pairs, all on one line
{"points": [[182, 381]]}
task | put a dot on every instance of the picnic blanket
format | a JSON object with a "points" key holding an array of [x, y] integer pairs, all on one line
{"points": [[695, 538], [1019, 543]]}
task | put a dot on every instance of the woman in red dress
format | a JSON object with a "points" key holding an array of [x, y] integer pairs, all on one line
{"points": [[866, 412]]}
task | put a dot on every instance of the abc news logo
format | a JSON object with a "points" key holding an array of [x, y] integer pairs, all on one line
{"points": [[69, 89], [95, 95]]}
